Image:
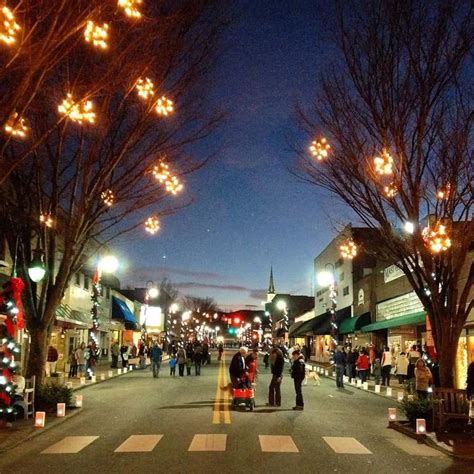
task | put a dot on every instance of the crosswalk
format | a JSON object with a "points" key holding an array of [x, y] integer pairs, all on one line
{"points": [[146, 443]]}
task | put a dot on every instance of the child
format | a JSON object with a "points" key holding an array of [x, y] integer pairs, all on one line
{"points": [[377, 371], [189, 364], [173, 362]]}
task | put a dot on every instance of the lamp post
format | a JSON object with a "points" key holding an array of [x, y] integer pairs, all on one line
{"points": [[328, 278], [107, 264]]}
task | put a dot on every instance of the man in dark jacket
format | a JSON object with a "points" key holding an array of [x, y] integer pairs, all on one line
{"points": [[298, 370], [339, 359], [237, 367], [277, 362]]}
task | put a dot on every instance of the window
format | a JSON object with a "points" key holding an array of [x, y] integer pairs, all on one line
{"points": [[345, 291], [86, 282], [341, 276], [107, 292], [320, 300], [77, 279], [339, 263]]}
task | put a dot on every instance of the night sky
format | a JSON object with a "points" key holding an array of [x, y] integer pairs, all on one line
{"points": [[250, 212]]}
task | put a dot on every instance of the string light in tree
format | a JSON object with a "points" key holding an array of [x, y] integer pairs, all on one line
{"points": [[145, 88], [16, 126], [390, 190], [8, 26], [436, 238], [96, 34], [79, 112], [152, 225], [173, 185], [130, 7], [46, 219], [384, 164], [348, 249], [320, 149], [164, 106], [108, 197], [445, 192]]}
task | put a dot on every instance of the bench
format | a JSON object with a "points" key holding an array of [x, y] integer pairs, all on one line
{"points": [[27, 403], [453, 404]]}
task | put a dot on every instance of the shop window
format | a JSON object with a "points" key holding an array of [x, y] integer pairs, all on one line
{"points": [[86, 282], [345, 291], [77, 279]]}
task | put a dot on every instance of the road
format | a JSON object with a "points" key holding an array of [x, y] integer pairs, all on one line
{"points": [[183, 425]]}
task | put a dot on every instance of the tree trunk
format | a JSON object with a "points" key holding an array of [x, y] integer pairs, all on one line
{"points": [[37, 354], [447, 360]]}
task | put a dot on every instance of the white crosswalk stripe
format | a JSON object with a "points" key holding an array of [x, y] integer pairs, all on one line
{"points": [[346, 445], [139, 444], [70, 445], [208, 442], [277, 444]]}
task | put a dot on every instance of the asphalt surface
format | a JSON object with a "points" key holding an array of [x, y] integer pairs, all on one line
{"points": [[180, 408]]}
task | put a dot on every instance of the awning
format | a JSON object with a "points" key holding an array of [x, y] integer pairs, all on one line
{"points": [[306, 327], [71, 319], [350, 325], [294, 327], [407, 320], [121, 311], [323, 326]]}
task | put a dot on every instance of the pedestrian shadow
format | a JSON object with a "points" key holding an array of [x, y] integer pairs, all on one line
{"points": [[346, 391], [270, 410]]}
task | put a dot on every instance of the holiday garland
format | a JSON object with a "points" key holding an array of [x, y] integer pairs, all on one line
{"points": [[11, 314]]}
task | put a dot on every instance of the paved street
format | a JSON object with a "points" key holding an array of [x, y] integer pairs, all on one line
{"points": [[179, 425]]}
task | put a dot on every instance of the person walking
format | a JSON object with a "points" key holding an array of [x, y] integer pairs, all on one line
{"points": [[298, 372], [237, 367], [402, 367], [124, 355], [181, 359], [277, 363], [423, 378], [81, 358], [114, 351], [220, 351], [251, 361], [339, 359], [72, 364], [172, 363], [156, 356], [386, 366], [363, 365], [51, 361], [197, 360]]}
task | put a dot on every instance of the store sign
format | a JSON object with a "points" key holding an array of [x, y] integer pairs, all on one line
{"points": [[152, 316], [392, 273], [400, 306]]}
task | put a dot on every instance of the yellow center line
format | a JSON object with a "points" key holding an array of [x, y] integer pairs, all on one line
{"points": [[221, 402]]}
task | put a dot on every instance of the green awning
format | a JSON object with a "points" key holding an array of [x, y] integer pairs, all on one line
{"points": [[322, 324], [294, 327], [307, 326], [350, 325], [407, 320]]}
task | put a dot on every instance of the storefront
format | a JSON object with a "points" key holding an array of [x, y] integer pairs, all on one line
{"points": [[123, 314]]}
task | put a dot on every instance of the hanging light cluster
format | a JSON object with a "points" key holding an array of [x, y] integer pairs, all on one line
{"points": [[46, 219], [162, 173], [108, 197], [390, 191], [152, 225], [16, 126], [348, 249], [8, 26], [77, 111], [164, 106], [130, 7], [145, 88], [384, 164], [437, 238], [96, 34], [320, 149], [445, 192]]}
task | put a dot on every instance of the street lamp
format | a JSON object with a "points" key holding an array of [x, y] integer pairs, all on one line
{"points": [[328, 278], [282, 306]]}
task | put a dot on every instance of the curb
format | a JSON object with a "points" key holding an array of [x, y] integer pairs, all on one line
{"points": [[39, 431]]}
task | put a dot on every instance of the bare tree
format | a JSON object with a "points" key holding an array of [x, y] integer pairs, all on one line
{"points": [[396, 112], [113, 129], [200, 306]]}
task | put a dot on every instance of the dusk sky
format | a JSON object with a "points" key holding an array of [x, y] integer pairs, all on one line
{"points": [[250, 212]]}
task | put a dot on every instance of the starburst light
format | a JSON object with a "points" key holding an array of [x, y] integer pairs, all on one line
{"points": [[46, 219], [384, 164], [164, 106], [16, 126], [145, 88], [152, 225], [130, 7], [96, 34], [320, 149], [77, 111], [348, 249], [8, 26], [436, 238], [108, 197]]}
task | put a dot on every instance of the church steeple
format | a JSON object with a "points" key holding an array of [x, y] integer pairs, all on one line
{"points": [[271, 287]]}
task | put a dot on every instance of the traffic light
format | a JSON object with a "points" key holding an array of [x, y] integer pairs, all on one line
{"points": [[232, 331], [236, 321]]}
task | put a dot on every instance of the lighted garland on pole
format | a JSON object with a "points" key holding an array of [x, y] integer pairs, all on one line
{"points": [[11, 314], [93, 333]]}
